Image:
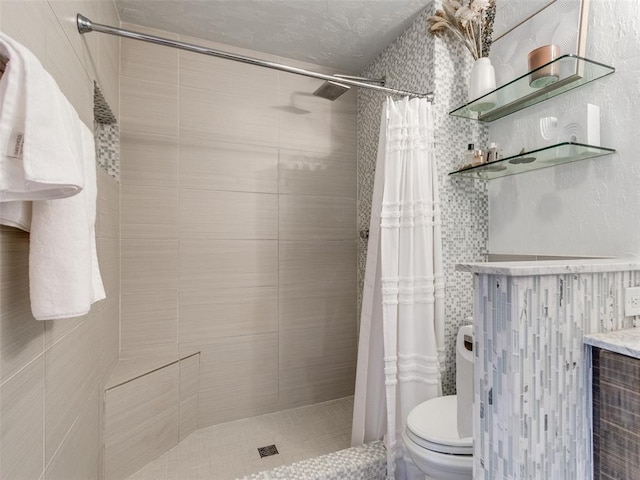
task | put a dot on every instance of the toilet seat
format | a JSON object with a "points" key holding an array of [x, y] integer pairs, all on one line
{"points": [[439, 465], [433, 425]]}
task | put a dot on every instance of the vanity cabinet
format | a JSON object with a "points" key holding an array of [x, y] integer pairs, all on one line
{"points": [[615, 362], [616, 416]]}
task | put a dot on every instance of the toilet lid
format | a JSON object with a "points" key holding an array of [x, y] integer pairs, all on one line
{"points": [[434, 425]]}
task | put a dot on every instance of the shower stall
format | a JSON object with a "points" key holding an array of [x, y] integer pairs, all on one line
{"points": [[238, 227]]}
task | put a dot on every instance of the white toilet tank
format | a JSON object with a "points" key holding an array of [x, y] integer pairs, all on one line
{"points": [[464, 380]]}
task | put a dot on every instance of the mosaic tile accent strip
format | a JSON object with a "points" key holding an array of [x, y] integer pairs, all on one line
{"points": [[419, 62], [365, 462], [108, 148], [531, 409], [616, 423], [107, 135]]}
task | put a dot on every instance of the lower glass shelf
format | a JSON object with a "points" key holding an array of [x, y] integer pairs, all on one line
{"points": [[565, 152]]}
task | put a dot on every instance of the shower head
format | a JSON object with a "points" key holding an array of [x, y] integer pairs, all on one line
{"points": [[331, 90]]}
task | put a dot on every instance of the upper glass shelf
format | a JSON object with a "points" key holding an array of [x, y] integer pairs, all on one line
{"points": [[524, 162], [570, 71]]}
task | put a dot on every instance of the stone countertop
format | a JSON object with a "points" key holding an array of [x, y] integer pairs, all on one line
{"points": [[551, 267], [625, 342]]}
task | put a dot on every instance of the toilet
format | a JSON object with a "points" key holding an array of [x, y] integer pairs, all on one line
{"points": [[432, 436]]}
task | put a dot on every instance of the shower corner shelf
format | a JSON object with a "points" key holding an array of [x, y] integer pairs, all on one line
{"points": [[551, 156], [516, 95]]}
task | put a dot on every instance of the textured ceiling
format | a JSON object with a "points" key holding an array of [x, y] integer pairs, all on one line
{"points": [[343, 34]]}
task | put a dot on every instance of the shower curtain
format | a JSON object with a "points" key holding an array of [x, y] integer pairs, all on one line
{"points": [[401, 345]]}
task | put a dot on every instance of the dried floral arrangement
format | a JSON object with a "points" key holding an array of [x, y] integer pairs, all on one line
{"points": [[470, 22]]}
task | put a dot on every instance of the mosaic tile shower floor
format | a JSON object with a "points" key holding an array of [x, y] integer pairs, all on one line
{"points": [[230, 450]]}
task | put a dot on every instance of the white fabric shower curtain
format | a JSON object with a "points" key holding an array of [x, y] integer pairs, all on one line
{"points": [[401, 345]]}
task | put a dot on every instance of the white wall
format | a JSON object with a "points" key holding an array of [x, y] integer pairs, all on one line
{"points": [[588, 207]]}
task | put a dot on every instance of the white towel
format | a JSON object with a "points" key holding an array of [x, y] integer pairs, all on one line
{"points": [[37, 160], [46, 155], [16, 214], [64, 275]]}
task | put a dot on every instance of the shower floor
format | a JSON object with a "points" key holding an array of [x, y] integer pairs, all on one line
{"points": [[230, 450]]}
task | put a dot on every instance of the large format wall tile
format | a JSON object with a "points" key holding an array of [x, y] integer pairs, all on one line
{"points": [[71, 376], [148, 159], [303, 217], [238, 378], [208, 164], [141, 421], [149, 323], [149, 265], [316, 305], [148, 107], [227, 263], [147, 61], [317, 262], [74, 459], [314, 384], [238, 360], [318, 347], [209, 314], [108, 207], [227, 77], [22, 335], [228, 215], [189, 383], [322, 174], [149, 212], [237, 118], [318, 132], [22, 428]]}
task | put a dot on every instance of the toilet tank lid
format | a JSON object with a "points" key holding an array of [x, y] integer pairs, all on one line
{"points": [[436, 421]]}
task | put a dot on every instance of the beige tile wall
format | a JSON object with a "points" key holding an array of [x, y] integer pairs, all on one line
{"points": [[238, 224], [52, 373]]}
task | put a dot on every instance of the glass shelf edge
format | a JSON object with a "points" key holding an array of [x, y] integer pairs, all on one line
{"points": [[570, 82], [478, 171]]}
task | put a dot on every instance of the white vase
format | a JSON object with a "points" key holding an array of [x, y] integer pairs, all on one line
{"points": [[482, 81]]}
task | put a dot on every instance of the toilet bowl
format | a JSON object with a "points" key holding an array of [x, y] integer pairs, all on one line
{"points": [[432, 437]]}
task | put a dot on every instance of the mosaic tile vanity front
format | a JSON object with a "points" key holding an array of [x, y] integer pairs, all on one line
{"points": [[531, 409]]}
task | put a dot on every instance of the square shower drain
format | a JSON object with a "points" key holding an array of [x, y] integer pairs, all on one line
{"points": [[267, 451]]}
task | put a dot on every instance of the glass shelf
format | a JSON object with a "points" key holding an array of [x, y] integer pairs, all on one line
{"points": [[542, 158], [572, 71]]}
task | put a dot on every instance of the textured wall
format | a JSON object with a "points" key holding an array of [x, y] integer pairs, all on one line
{"points": [[418, 62], [586, 208], [238, 227], [531, 411], [52, 373]]}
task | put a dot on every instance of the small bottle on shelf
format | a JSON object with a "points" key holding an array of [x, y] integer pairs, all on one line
{"points": [[492, 152], [469, 154]]}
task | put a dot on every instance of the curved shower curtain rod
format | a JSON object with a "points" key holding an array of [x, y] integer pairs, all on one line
{"points": [[85, 26]]}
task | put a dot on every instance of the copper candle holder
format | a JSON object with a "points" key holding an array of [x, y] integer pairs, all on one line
{"points": [[549, 74]]}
